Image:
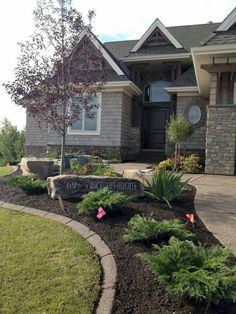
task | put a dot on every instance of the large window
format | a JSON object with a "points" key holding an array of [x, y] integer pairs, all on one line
{"points": [[155, 92], [88, 121]]}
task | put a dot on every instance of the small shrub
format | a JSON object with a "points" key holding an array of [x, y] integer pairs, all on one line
{"points": [[78, 169], [166, 164], [29, 184], [92, 169], [186, 164], [166, 186], [52, 154], [105, 198], [146, 228], [190, 164], [194, 271]]}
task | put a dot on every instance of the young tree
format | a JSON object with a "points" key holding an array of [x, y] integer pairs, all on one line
{"points": [[11, 143], [178, 131], [54, 67]]}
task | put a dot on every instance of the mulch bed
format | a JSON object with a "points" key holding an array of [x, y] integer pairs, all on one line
{"points": [[137, 290]]}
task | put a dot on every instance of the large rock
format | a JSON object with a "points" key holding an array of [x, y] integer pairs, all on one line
{"points": [[42, 168], [143, 176], [72, 186]]}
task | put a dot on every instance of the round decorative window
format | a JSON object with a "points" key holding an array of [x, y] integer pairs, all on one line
{"points": [[194, 114]]}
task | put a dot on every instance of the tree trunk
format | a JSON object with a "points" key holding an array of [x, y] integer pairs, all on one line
{"points": [[62, 165]]}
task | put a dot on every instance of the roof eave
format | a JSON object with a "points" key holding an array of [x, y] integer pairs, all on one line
{"points": [[177, 89], [164, 57]]}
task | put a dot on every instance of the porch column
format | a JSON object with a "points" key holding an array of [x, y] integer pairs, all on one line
{"points": [[220, 134]]}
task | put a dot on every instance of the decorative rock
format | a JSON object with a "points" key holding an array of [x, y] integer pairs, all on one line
{"points": [[72, 186], [42, 168], [81, 159], [143, 176]]}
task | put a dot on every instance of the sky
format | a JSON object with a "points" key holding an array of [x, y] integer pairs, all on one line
{"points": [[115, 20]]}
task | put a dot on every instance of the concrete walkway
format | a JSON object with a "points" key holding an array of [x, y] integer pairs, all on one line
{"points": [[215, 204], [130, 166]]}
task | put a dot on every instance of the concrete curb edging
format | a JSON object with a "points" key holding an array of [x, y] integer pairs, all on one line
{"points": [[14, 169], [107, 260]]}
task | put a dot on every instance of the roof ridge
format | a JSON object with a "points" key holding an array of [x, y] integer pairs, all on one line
{"points": [[194, 24], [119, 41]]}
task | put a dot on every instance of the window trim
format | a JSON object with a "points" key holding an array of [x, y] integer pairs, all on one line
{"points": [[91, 132], [149, 87]]}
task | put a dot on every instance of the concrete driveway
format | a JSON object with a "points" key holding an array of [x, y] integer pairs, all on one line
{"points": [[215, 204]]}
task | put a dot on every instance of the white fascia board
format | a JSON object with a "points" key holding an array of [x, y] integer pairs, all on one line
{"points": [[183, 89], [105, 54], [120, 85], [217, 49], [156, 24], [228, 22], [163, 57]]}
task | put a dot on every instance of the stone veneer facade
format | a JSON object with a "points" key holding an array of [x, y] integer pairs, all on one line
{"points": [[220, 135]]}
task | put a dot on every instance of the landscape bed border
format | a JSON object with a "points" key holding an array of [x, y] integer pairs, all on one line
{"points": [[107, 260]]}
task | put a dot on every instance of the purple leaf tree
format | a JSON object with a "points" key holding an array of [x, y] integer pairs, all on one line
{"points": [[57, 63]]}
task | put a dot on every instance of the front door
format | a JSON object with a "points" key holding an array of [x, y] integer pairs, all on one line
{"points": [[155, 120]]}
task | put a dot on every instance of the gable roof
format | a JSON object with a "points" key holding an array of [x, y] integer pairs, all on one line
{"points": [[228, 21], [188, 35], [156, 25], [106, 54], [222, 38]]}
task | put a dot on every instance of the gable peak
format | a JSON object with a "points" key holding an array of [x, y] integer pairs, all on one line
{"points": [[160, 33]]}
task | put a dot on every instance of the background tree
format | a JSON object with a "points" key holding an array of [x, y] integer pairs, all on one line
{"points": [[47, 77], [11, 143], [178, 130]]}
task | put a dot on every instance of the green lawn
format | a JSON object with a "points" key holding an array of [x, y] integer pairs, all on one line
{"points": [[5, 170], [45, 267]]}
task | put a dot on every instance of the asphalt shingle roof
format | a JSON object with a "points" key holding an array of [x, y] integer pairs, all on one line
{"points": [[188, 78], [188, 35], [222, 38]]}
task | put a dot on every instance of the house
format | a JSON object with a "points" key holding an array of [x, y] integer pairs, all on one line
{"points": [[188, 70]]}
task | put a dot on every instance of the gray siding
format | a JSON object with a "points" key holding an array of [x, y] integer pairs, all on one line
{"points": [[110, 134], [198, 140], [126, 120], [35, 135]]}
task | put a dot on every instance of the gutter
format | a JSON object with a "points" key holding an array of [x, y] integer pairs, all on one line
{"points": [[164, 57]]}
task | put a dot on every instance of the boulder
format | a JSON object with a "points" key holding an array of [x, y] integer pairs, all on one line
{"points": [[81, 159], [143, 176], [73, 187], [42, 168]]}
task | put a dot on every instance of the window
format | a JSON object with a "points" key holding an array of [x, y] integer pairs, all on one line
{"points": [[155, 92], [194, 114], [88, 122]]}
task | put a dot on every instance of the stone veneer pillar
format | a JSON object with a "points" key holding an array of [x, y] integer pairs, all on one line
{"points": [[220, 135]]}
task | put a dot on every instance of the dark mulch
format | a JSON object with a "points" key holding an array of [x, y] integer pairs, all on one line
{"points": [[137, 289]]}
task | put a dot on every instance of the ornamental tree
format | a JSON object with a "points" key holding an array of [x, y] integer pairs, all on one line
{"points": [[178, 131], [54, 66]]}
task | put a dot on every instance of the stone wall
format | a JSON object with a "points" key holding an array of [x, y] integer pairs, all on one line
{"points": [[221, 139], [221, 133], [196, 143]]}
